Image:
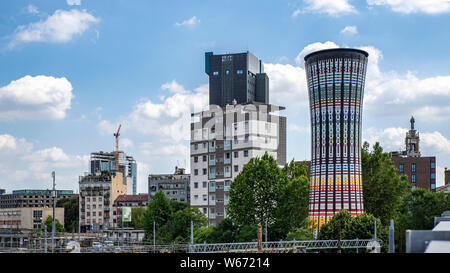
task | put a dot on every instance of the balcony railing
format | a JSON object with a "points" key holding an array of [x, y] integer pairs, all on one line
{"points": [[227, 161], [212, 202], [212, 216], [212, 189]]}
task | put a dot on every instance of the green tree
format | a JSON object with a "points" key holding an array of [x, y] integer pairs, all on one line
{"points": [[203, 235], [292, 209], [179, 225], [383, 189], [418, 210], [137, 217], [256, 192], [159, 211], [301, 234], [49, 224], [359, 227], [71, 209]]}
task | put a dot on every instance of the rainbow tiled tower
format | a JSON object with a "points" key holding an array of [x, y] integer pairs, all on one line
{"points": [[336, 79]]}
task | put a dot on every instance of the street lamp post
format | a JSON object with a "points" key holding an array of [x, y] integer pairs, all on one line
{"points": [[54, 205]]}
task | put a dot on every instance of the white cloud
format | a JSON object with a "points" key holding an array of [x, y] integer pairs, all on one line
{"points": [[414, 6], [190, 22], [288, 81], [296, 13], [351, 30], [312, 48], [330, 7], [126, 143], [73, 2], [389, 93], [40, 97], [22, 166], [57, 28], [393, 139], [165, 123], [32, 9]]}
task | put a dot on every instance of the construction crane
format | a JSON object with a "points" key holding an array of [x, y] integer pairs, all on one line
{"points": [[117, 147]]}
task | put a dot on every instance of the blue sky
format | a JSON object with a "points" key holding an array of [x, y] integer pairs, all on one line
{"points": [[72, 70]]}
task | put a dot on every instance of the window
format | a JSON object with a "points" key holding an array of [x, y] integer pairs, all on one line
{"points": [[205, 211], [204, 184], [400, 168], [195, 146], [433, 165], [239, 71], [227, 72], [413, 168], [236, 168], [216, 73], [205, 171], [246, 125], [195, 197], [196, 172], [246, 153], [246, 139], [413, 178], [195, 159], [236, 141], [235, 125], [196, 185], [204, 158], [205, 198], [236, 154], [433, 176], [204, 145]]}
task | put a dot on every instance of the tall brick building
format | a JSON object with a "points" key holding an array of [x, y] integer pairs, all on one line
{"points": [[421, 170]]}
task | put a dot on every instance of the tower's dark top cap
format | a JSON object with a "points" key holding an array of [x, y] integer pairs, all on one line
{"points": [[336, 52]]}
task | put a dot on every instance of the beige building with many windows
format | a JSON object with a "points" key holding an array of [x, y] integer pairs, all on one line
{"points": [[97, 195], [28, 219]]}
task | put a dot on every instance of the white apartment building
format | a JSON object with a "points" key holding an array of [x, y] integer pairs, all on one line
{"points": [[223, 140]]}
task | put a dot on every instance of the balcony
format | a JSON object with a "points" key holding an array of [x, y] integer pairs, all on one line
{"points": [[225, 202], [227, 145], [212, 202], [212, 216], [227, 174], [227, 161], [226, 188], [212, 189], [212, 175], [212, 149], [212, 162]]}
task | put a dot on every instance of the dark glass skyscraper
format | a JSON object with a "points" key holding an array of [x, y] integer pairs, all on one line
{"points": [[336, 79], [237, 77]]}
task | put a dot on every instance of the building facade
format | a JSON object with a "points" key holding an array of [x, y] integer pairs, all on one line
{"points": [[28, 218], [97, 194], [237, 77], [223, 140], [447, 177], [336, 79], [175, 186], [32, 198], [103, 161], [132, 201], [421, 170]]}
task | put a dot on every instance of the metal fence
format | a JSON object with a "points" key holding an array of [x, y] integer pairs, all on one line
{"points": [[103, 245]]}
